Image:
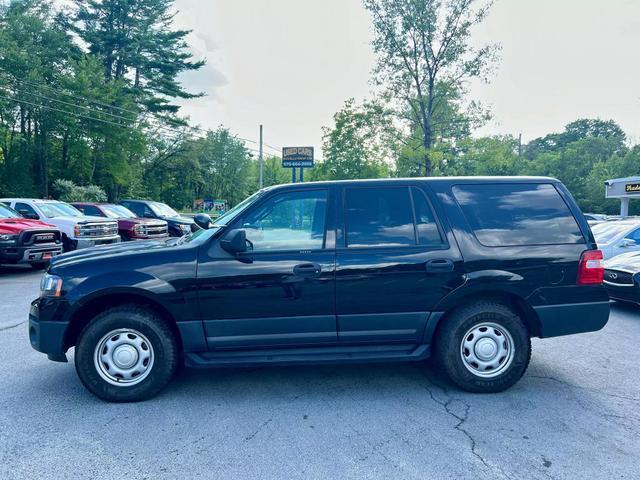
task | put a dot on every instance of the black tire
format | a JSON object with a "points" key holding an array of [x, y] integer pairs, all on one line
{"points": [[163, 346], [449, 354], [38, 266]]}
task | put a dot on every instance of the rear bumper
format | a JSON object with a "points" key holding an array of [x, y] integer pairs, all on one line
{"points": [[567, 319], [47, 336], [29, 254]]}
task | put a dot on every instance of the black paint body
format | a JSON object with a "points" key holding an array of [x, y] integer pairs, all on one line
{"points": [[365, 303]]}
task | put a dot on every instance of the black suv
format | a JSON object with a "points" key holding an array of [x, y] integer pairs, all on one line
{"points": [[463, 269], [177, 224]]}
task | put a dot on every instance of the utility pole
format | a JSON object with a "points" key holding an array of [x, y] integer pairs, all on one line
{"points": [[519, 144], [260, 160]]}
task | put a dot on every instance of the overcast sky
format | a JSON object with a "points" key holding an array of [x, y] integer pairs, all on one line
{"points": [[291, 64]]}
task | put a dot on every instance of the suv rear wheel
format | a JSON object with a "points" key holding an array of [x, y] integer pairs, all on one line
{"points": [[483, 347], [126, 354]]}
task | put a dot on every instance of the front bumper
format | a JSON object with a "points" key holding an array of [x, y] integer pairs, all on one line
{"points": [[29, 254], [624, 293], [47, 336]]}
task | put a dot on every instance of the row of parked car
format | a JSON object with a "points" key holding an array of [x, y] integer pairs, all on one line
{"points": [[619, 240], [33, 231]]}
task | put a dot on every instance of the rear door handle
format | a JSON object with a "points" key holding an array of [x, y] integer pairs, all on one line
{"points": [[307, 270], [440, 265]]}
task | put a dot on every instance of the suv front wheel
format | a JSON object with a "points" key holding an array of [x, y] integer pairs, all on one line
{"points": [[126, 354], [483, 347]]}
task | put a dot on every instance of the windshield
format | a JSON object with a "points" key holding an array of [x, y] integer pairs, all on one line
{"points": [[59, 209], [228, 217], [6, 212], [606, 232], [163, 210], [117, 211]]}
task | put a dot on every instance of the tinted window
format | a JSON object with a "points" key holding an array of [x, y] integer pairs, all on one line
{"points": [[426, 226], [288, 221], [136, 208], [23, 208], [517, 214], [379, 217], [91, 210]]}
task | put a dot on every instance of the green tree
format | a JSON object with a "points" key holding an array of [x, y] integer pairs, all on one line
{"points": [[357, 146], [138, 44], [424, 58]]}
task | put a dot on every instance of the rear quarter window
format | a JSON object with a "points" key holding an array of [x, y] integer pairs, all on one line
{"points": [[517, 214]]}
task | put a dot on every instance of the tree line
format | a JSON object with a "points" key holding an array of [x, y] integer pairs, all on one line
{"points": [[89, 95]]}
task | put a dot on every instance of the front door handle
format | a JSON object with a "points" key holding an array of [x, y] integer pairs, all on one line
{"points": [[440, 265], [307, 270]]}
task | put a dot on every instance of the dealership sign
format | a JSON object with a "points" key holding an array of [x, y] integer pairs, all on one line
{"points": [[293, 157], [632, 188]]}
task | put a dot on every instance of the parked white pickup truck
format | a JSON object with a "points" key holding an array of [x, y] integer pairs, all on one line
{"points": [[78, 230]]}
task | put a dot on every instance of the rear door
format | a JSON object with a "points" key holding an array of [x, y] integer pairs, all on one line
{"points": [[395, 259]]}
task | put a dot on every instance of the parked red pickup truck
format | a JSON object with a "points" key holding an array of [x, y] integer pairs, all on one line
{"points": [[130, 227], [27, 241]]}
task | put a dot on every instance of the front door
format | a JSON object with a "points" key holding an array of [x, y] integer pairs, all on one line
{"points": [[394, 262], [282, 292]]}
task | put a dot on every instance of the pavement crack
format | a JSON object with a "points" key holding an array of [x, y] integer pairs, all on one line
{"points": [[461, 421], [250, 437], [2, 329]]}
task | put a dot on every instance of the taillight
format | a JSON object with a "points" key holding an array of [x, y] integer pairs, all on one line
{"points": [[591, 269]]}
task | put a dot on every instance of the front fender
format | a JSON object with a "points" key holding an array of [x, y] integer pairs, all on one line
{"points": [[121, 284]]}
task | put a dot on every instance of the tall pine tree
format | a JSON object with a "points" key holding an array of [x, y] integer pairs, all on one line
{"points": [[138, 43]]}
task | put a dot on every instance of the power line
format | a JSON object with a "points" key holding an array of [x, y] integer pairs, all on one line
{"points": [[92, 110], [58, 90], [64, 111], [74, 105]]}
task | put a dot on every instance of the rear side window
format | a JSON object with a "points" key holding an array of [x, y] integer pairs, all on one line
{"points": [[517, 214], [379, 217], [384, 217]]}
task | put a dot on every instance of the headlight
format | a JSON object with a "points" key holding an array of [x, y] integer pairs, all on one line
{"points": [[50, 286], [185, 228], [8, 239], [140, 229]]}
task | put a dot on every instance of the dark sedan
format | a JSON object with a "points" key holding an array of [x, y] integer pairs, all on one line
{"points": [[622, 277]]}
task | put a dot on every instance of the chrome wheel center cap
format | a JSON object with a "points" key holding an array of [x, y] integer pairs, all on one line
{"points": [[125, 356], [486, 348]]}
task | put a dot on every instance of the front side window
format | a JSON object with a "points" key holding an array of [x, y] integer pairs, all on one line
{"points": [[288, 221], [517, 214], [379, 217]]}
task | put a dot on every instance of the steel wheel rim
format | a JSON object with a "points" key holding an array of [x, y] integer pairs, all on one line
{"points": [[123, 357], [487, 349]]}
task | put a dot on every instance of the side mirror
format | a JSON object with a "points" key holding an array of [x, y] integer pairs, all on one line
{"points": [[628, 242], [235, 242], [203, 220], [29, 215]]}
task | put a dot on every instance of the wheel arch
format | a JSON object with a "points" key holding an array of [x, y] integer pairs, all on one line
{"points": [[512, 300], [83, 315]]}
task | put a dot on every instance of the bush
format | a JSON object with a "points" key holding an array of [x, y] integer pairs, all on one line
{"points": [[67, 191]]}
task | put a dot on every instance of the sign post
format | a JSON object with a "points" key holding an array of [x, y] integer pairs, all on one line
{"points": [[294, 157]]}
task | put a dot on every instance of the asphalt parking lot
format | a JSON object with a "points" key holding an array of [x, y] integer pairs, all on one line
{"points": [[576, 414]]}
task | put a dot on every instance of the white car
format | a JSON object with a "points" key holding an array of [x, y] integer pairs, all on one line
{"points": [[78, 230], [615, 238]]}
